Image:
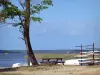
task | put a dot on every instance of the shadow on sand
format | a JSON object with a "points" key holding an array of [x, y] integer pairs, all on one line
{"points": [[8, 69]]}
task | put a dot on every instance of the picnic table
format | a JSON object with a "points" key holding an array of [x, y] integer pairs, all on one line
{"points": [[52, 61]]}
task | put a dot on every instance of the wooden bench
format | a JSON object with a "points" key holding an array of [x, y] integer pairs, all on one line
{"points": [[51, 61]]}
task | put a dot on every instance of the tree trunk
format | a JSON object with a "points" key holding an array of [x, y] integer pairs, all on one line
{"points": [[30, 53], [26, 35]]}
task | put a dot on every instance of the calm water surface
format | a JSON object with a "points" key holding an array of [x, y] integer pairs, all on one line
{"points": [[6, 60]]}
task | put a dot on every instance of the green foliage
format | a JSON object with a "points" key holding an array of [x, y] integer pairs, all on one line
{"points": [[3, 2], [47, 2], [37, 8], [36, 19], [11, 11]]}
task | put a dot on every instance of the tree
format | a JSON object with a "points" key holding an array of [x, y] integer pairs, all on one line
{"points": [[22, 19]]}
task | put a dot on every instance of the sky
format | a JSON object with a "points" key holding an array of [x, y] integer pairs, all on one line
{"points": [[66, 24]]}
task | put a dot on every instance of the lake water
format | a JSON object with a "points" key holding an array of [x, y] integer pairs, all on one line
{"points": [[6, 60]]}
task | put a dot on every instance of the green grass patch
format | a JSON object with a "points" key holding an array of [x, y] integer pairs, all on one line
{"points": [[11, 74], [64, 56]]}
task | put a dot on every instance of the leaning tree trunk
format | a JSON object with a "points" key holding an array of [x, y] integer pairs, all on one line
{"points": [[26, 35], [30, 53]]}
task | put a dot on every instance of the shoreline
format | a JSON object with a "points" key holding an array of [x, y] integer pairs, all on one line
{"points": [[4, 67]]}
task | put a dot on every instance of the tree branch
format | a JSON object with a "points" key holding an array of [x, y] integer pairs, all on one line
{"points": [[21, 20], [21, 4]]}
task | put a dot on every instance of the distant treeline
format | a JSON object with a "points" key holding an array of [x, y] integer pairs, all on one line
{"points": [[45, 51], [10, 51], [60, 51]]}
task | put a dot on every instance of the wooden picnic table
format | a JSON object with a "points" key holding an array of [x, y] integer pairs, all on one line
{"points": [[52, 61]]}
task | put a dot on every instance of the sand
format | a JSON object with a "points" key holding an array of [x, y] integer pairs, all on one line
{"points": [[55, 70]]}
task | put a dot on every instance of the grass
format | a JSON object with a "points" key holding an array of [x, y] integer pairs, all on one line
{"points": [[11, 74], [64, 56]]}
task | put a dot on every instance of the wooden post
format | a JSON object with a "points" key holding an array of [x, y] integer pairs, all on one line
{"points": [[81, 50], [81, 54], [93, 53]]}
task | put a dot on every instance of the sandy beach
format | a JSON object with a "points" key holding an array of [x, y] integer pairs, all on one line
{"points": [[55, 70]]}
